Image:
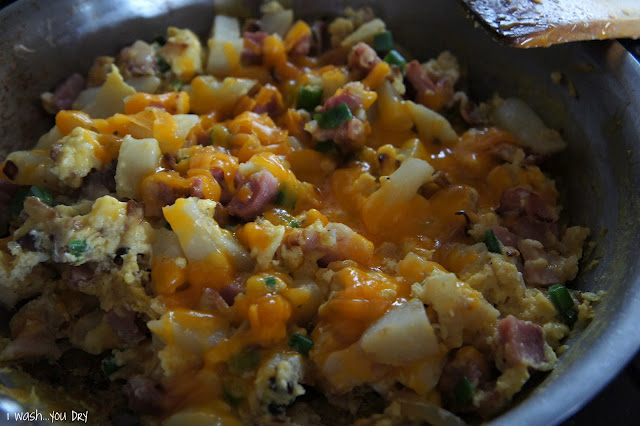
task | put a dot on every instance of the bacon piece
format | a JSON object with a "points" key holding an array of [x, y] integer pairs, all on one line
{"points": [[263, 187], [507, 238], [362, 59], [542, 268], [419, 78], [320, 39], [197, 188], [123, 321], [67, 92], [302, 47], [520, 200], [522, 342], [252, 50], [342, 98], [349, 135], [144, 394]]}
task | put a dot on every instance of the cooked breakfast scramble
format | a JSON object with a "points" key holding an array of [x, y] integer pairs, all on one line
{"points": [[292, 222]]}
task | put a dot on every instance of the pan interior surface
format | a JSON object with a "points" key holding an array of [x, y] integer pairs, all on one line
{"points": [[596, 112]]}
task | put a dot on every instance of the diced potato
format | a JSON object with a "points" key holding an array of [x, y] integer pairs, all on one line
{"points": [[109, 98], [210, 94], [462, 311], [144, 84], [275, 19], [185, 123], [393, 112], [138, 158], [213, 253], [364, 33], [404, 334], [516, 117], [395, 192], [225, 46], [431, 125]]}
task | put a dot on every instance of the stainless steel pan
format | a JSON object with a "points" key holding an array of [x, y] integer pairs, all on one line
{"points": [[43, 42]]}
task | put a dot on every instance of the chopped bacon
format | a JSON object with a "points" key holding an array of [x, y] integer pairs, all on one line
{"points": [[349, 135], [123, 321], [520, 200], [159, 194], [362, 59], [542, 268], [342, 98], [419, 78], [67, 92], [507, 238], [197, 187], [470, 363], [144, 394], [302, 47], [263, 188], [522, 342], [319, 37], [252, 51], [79, 274]]}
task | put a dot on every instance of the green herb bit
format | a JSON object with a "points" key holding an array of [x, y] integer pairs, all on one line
{"points": [[464, 391], [294, 224], [270, 282], [160, 40], [309, 97], [286, 198], [177, 85], [334, 117], [17, 202], [233, 394], [77, 247], [109, 366], [326, 147], [383, 42], [163, 65], [42, 193], [229, 227], [563, 302], [220, 135], [491, 241], [300, 343], [243, 361], [395, 58]]}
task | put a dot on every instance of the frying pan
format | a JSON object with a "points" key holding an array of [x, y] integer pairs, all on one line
{"points": [[596, 107]]}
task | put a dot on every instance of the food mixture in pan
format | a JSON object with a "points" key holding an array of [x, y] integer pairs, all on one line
{"points": [[292, 222]]}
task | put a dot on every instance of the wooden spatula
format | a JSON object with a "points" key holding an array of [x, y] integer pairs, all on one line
{"points": [[536, 23]]}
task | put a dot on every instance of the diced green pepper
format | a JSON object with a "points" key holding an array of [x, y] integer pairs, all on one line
{"points": [[177, 85], [395, 58], [309, 97], [77, 247], [464, 391], [334, 117], [300, 343], [491, 241], [383, 42]]}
